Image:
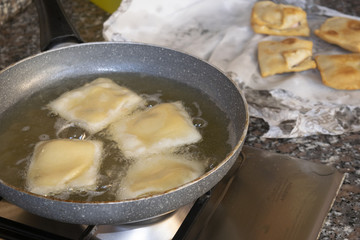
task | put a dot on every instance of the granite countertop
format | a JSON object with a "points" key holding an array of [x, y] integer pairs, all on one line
{"points": [[19, 38]]}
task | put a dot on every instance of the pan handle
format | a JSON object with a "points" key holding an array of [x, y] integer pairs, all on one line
{"points": [[55, 29]]}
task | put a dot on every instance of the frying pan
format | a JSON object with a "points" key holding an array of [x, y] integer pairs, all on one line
{"points": [[55, 66]]}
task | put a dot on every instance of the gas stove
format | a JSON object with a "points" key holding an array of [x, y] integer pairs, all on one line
{"points": [[264, 196]]}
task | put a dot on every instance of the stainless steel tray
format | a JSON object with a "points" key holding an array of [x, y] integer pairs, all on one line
{"points": [[272, 196]]}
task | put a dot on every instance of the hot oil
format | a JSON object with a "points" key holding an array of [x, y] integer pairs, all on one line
{"points": [[29, 122]]}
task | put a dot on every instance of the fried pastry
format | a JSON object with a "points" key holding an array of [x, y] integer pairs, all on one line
{"points": [[95, 105], [60, 164], [163, 126], [344, 32], [157, 174], [340, 71], [278, 19], [289, 55]]}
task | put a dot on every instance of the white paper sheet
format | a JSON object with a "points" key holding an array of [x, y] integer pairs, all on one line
{"points": [[293, 104]]}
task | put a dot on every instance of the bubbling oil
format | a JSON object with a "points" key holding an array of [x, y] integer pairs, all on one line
{"points": [[29, 121]]}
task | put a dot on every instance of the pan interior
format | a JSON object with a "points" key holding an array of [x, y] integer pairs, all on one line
{"points": [[29, 121]]}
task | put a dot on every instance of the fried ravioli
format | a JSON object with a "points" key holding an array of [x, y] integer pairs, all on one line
{"points": [[278, 19], [97, 104], [340, 71], [289, 55], [344, 32]]}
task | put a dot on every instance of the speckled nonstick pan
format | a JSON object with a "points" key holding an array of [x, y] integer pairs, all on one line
{"points": [[54, 66]]}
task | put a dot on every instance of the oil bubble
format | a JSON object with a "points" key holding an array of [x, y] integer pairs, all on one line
{"points": [[71, 131], [44, 137], [198, 109], [25, 129], [152, 99], [199, 122], [52, 114], [21, 161]]}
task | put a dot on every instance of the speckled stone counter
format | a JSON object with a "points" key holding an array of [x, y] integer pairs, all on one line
{"points": [[19, 38]]}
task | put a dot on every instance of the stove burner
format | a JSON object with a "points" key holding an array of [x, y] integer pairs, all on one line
{"points": [[271, 196]]}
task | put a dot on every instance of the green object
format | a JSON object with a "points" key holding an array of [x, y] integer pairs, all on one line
{"points": [[108, 5]]}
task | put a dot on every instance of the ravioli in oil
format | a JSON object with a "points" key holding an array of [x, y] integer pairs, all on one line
{"points": [[157, 174], [60, 164], [159, 128], [97, 104]]}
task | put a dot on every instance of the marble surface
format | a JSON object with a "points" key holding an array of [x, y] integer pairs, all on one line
{"points": [[10, 8], [19, 38]]}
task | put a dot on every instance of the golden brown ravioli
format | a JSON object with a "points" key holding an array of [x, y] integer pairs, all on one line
{"points": [[289, 55], [344, 32], [278, 19], [340, 71]]}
